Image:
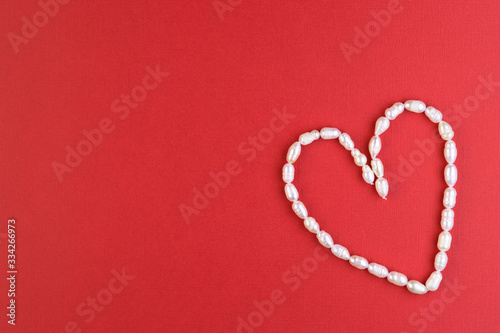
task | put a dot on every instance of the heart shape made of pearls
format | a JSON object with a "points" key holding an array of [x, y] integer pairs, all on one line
{"points": [[382, 188]]}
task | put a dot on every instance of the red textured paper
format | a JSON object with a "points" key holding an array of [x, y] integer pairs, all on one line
{"points": [[241, 261]]}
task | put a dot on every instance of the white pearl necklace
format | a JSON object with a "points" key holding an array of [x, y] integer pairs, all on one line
{"points": [[382, 187]]}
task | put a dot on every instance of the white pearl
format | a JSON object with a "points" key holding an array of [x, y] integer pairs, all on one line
{"points": [[340, 252], [444, 241], [381, 125], [447, 219], [415, 106], [434, 281], [308, 137], [358, 262], [382, 187], [397, 278], [288, 173], [416, 287], [378, 167], [394, 111], [346, 141], [440, 261], [374, 146], [445, 131], [368, 174], [325, 239], [299, 209], [359, 158], [293, 152], [450, 151], [450, 197], [311, 225], [291, 192], [378, 270], [450, 174], [433, 114], [328, 133]]}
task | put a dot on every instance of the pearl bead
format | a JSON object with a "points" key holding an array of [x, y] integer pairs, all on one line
{"points": [[382, 187], [299, 209], [293, 152], [340, 252], [397, 278], [325, 239], [368, 174], [378, 270], [433, 114], [447, 219], [415, 106], [346, 141], [308, 137], [450, 197], [378, 167], [394, 111], [359, 158], [328, 133], [311, 225], [444, 241], [434, 281], [450, 151], [374, 146], [440, 261], [445, 131], [288, 173], [450, 174], [416, 287], [291, 192], [358, 262], [381, 125]]}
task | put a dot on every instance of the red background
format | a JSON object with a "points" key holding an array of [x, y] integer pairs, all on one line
{"points": [[119, 208]]}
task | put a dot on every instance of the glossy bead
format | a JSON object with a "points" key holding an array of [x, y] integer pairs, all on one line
{"points": [[377, 167], [440, 261], [374, 146], [394, 111], [450, 174], [311, 224], [450, 151], [293, 152], [368, 174], [382, 187], [434, 281], [445, 131], [299, 209], [378, 270], [325, 239], [397, 278], [433, 114], [358, 262], [291, 192], [416, 287], [450, 197], [308, 137], [340, 252], [346, 141], [359, 158], [447, 219], [444, 241], [381, 125], [328, 133], [288, 173], [415, 106]]}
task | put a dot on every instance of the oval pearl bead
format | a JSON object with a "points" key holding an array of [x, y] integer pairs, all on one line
{"points": [[368, 174], [450, 151], [374, 146], [382, 187], [340, 252], [378, 167], [397, 278], [291, 192], [293, 152], [394, 111], [378, 270], [358, 262], [415, 106], [308, 137], [416, 287], [346, 141], [288, 173], [325, 239], [434, 281], [311, 225], [328, 133], [445, 131], [447, 219], [450, 197], [450, 174], [440, 261], [299, 209], [433, 114], [444, 241], [359, 158], [381, 125]]}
